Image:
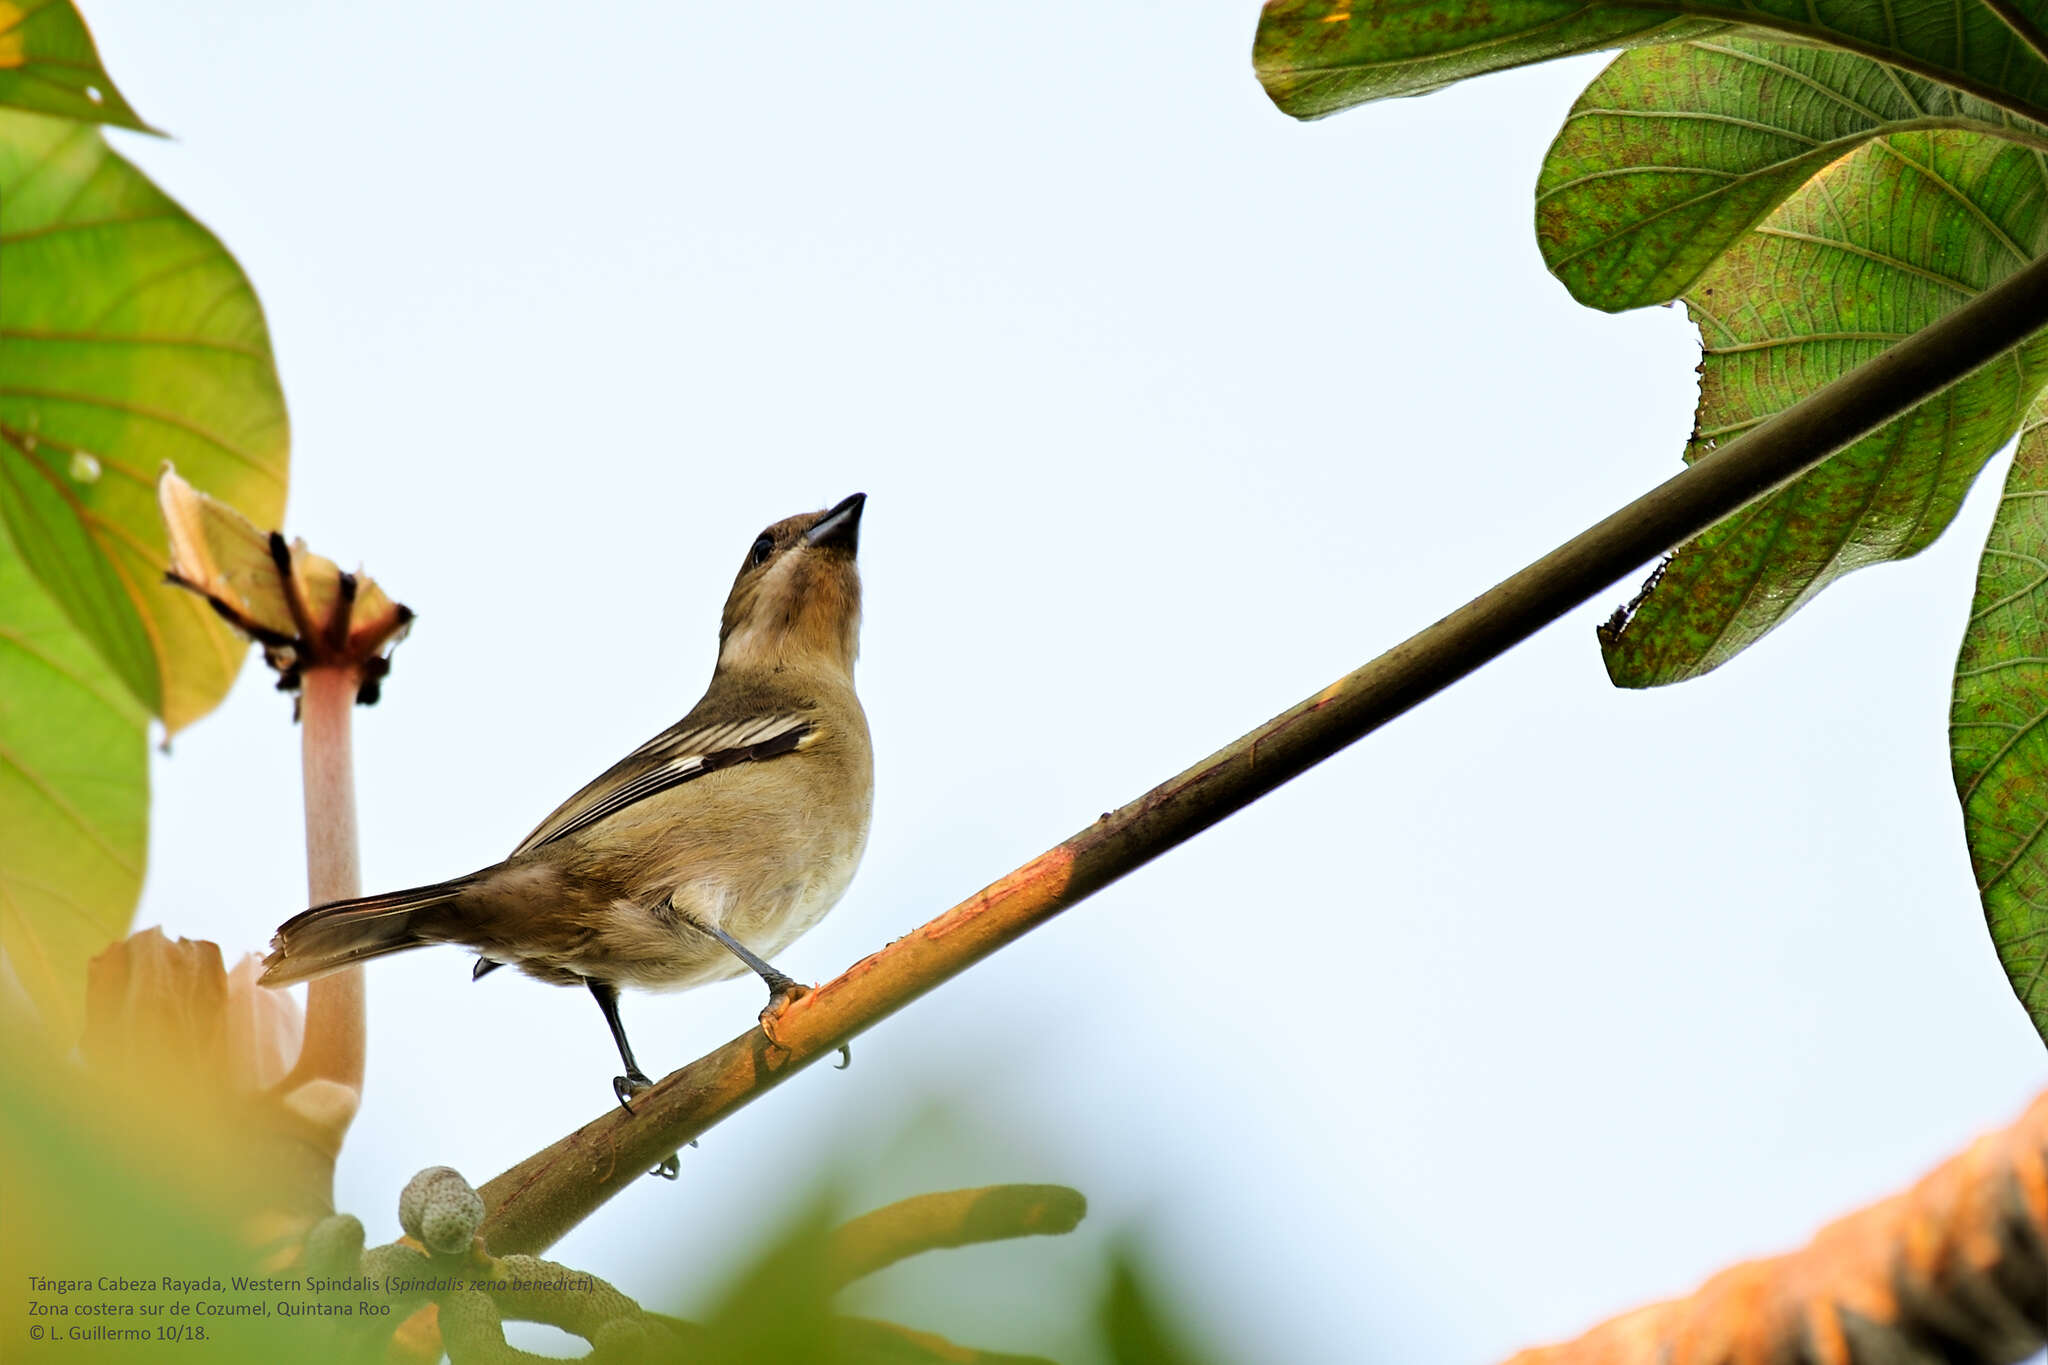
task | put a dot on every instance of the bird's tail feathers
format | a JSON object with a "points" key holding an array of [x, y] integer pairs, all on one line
{"points": [[342, 933]]}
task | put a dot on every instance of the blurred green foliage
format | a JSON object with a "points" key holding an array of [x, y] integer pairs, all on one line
{"points": [[99, 1197]]}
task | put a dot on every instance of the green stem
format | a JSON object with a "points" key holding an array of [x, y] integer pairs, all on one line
{"points": [[954, 1218]]}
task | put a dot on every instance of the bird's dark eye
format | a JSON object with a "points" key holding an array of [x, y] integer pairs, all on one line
{"points": [[763, 548]]}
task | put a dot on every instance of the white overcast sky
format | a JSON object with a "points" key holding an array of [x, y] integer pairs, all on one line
{"points": [[1546, 1001]]}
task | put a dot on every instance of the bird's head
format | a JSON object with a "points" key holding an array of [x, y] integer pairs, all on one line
{"points": [[796, 602]]}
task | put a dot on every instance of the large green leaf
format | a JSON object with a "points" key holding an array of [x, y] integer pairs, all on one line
{"points": [[74, 797], [1818, 181], [48, 65], [1316, 57], [1822, 286], [128, 338], [1998, 724], [1673, 153]]}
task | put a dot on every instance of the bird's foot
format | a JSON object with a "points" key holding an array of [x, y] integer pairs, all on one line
{"points": [[670, 1166], [782, 993], [629, 1085]]}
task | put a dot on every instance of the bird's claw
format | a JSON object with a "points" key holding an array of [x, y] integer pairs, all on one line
{"points": [[781, 996], [629, 1085]]}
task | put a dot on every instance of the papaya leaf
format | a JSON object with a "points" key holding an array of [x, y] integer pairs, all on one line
{"points": [[74, 798], [128, 338], [48, 65], [1998, 724], [1824, 284], [1673, 153], [1816, 181], [1316, 57]]}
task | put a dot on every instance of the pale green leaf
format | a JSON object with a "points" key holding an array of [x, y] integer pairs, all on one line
{"points": [[74, 798], [49, 65], [128, 338]]}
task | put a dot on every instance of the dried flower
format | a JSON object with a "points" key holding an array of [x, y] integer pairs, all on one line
{"points": [[300, 607]]}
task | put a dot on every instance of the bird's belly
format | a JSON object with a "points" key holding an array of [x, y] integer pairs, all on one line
{"points": [[766, 913], [689, 958], [785, 919]]}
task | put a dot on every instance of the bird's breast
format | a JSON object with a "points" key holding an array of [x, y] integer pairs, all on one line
{"points": [[775, 910]]}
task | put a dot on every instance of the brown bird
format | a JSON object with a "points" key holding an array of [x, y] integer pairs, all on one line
{"points": [[702, 853]]}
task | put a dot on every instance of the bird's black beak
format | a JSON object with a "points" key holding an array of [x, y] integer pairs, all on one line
{"points": [[840, 526]]}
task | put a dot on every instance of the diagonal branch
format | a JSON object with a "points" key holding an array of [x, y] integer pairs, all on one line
{"points": [[550, 1192]]}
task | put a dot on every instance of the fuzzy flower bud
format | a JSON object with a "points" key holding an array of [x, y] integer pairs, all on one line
{"points": [[439, 1210]]}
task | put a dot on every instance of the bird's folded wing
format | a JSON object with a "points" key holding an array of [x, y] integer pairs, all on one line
{"points": [[678, 754]]}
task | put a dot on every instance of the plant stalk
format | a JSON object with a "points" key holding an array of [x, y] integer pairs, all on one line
{"points": [[335, 1028], [544, 1196]]}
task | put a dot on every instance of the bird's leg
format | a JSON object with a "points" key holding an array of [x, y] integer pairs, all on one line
{"points": [[782, 992], [635, 1080]]}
